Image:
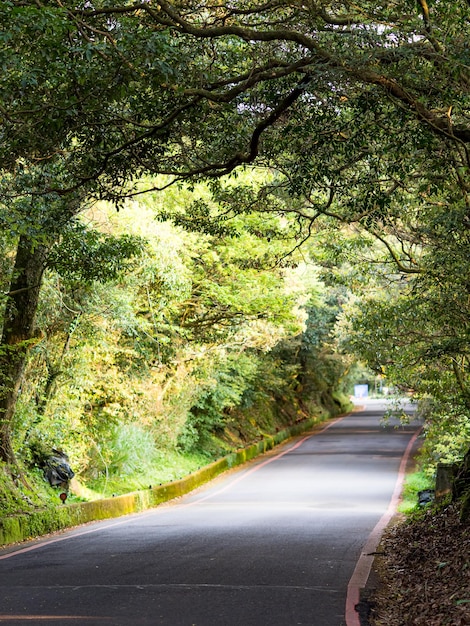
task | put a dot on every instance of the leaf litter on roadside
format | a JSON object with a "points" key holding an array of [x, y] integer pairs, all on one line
{"points": [[425, 572]]}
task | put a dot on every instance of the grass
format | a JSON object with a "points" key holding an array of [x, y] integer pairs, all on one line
{"points": [[170, 466], [414, 483]]}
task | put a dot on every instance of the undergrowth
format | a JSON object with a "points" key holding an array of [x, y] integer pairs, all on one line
{"points": [[23, 493], [171, 465], [414, 483]]}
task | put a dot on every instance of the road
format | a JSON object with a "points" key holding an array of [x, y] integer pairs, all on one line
{"points": [[274, 543]]}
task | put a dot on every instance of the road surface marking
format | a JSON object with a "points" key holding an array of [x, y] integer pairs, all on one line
{"points": [[125, 519]]}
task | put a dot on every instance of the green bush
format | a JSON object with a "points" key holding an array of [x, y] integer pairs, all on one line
{"points": [[446, 434]]}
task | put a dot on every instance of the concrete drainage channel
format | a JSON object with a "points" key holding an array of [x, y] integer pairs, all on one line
{"points": [[17, 528]]}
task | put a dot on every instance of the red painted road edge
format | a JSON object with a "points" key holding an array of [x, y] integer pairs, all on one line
{"points": [[362, 570]]}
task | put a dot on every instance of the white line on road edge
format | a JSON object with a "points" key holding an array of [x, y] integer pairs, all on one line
{"points": [[362, 570], [97, 525]]}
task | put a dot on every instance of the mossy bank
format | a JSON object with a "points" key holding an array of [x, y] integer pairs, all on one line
{"points": [[28, 514]]}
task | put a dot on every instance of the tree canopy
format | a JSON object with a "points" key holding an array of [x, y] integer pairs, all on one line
{"points": [[360, 112], [193, 88]]}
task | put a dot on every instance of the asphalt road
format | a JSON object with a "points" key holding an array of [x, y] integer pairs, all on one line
{"points": [[272, 544]]}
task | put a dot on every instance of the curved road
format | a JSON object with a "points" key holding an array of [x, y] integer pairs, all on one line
{"points": [[274, 543]]}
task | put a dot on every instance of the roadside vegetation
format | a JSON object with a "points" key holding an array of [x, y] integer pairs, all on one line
{"points": [[213, 216], [157, 350], [415, 483]]}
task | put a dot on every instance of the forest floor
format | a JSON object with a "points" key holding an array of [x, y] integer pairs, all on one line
{"points": [[423, 568]]}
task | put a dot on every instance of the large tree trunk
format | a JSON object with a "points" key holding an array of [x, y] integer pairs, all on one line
{"points": [[18, 333]]}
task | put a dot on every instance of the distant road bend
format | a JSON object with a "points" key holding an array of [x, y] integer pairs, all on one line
{"points": [[280, 542]]}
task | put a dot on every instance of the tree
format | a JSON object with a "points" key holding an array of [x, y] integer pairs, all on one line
{"points": [[42, 222], [175, 335], [359, 108], [34, 227], [191, 88]]}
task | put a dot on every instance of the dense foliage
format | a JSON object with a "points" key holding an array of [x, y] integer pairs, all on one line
{"points": [[152, 343], [360, 114]]}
